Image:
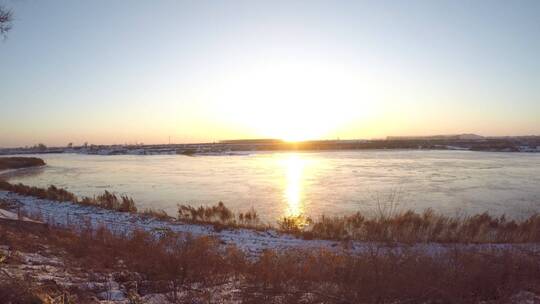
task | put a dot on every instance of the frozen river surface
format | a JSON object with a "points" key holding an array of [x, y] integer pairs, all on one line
{"points": [[311, 183]]}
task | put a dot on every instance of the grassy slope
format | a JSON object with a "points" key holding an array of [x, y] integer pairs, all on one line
{"points": [[200, 268]]}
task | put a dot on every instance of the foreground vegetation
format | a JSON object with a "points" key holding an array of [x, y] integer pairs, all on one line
{"points": [[428, 226], [403, 227], [106, 200], [20, 162], [186, 268], [220, 217]]}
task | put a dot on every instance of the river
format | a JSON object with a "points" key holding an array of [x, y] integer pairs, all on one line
{"points": [[309, 183]]}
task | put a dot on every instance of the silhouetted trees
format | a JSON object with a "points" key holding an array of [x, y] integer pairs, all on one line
{"points": [[40, 147]]}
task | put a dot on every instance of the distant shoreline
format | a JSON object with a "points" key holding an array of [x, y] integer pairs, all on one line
{"points": [[529, 144], [11, 163]]}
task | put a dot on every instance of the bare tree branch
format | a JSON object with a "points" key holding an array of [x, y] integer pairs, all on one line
{"points": [[6, 16]]}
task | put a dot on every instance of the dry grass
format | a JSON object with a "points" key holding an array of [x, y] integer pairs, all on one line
{"points": [[392, 276], [17, 291], [428, 226], [174, 262], [106, 200], [156, 213], [51, 193], [169, 263], [110, 201], [220, 216], [388, 225]]}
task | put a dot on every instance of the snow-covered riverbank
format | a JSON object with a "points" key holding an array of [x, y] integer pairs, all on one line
{"points": [[251, 241]]}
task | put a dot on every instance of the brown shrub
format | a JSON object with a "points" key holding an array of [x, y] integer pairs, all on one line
{"points": [[392, 276], [17, 291]]}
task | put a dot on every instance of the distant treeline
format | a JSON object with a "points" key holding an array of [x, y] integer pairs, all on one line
{"points": [[487, 144], [495, 144]]}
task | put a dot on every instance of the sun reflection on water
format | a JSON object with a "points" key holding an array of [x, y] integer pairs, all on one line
{"points": [[294, 166]]}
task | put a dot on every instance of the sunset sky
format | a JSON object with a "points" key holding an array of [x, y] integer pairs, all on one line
{"points": [[109, 72]]}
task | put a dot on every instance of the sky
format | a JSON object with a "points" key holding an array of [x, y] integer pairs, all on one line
{"points": [[115, 72]]}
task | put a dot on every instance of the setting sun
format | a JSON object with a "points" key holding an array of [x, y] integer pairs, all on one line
{"points": [[293, 101]]}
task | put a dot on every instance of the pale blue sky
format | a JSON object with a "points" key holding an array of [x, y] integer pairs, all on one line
{"points": [[126, 71]]}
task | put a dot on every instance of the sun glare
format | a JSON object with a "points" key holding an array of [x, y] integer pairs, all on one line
{"points": [[293, 101]]}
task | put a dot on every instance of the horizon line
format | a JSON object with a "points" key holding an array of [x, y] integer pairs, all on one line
{"points": [[230, 141]]}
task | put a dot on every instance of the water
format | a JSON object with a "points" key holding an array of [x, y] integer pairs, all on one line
{"points": [[311, 183]]}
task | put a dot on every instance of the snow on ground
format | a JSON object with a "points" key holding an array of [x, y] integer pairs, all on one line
{"points": [[56, 274], [8, 215], [44, 268], [253, 242]]}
